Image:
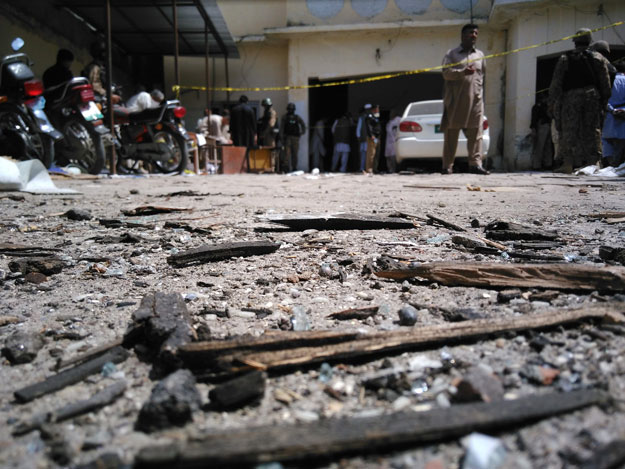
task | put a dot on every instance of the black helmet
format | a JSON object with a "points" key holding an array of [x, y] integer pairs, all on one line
{"points": [[266, 102], [290, 107]]}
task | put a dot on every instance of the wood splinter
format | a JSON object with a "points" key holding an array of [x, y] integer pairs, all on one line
{"points": [[333, 436]]}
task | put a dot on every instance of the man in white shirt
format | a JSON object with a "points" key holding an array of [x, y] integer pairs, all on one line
{"points": [[144, 100]]}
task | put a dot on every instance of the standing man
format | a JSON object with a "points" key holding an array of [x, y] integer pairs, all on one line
{"points": [[361, 136], [95, 71], [268, 125], [463, 100], [614, 126], [579, 92], [243, 124], [341, 130], [291, 129], [318, 144], [59, 74], [542, 152], [373, 131]]}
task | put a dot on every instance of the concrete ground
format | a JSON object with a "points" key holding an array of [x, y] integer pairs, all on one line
{"points": [[103, 280]]}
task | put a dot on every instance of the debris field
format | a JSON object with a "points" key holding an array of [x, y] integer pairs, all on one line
{"points": [[335, 321]]}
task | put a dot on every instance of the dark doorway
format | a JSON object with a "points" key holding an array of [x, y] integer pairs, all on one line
{"points": [[546, 65], [392, 95]]}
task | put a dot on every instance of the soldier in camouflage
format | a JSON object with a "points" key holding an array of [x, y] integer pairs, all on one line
{"points": [[579, 92]]}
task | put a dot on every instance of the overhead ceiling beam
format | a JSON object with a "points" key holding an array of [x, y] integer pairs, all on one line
{"points": [[157, 31], [211, 26], [158, 7], [94, 24], [137, 27]]}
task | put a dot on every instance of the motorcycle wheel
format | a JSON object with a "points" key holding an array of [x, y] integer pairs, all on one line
{"points": [[82, 146], [179, 156], [21, 141]]}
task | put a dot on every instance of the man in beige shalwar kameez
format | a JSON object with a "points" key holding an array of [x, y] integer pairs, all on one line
{"points": [[464, 101]]}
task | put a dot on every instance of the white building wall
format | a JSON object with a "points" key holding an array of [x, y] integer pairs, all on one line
{"points": [[339, 55]]}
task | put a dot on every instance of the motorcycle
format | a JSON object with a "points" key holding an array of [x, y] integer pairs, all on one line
{"points": [[154, 136], [73, 110], [25, 131]]}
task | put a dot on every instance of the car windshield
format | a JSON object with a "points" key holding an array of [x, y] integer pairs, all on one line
{"points": [[426, 107]]}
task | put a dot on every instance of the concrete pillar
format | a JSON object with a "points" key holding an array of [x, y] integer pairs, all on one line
{"points": [[299, 97]]}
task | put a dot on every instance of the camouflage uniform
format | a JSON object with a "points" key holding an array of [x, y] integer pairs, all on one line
{"points": [[578, 94]]}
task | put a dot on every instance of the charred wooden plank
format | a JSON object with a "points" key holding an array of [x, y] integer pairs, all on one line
{"points": [[116, 223], [47, 265], [498, 275], [532, 256], [355, 313], [335, 436], [9, 249], [198, 354], [395, 341], [508, 231], [605, 215], [342, 222], [70, 376], [445, 223], [537, 245], [94, 352], [100, 399], [220, 252], [284, 355], [145, 210]]}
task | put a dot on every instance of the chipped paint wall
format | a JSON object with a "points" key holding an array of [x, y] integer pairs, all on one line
{"points": [[335, 12]]}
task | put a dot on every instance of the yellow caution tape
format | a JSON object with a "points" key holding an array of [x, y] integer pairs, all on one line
{"points": [[354, 81]]}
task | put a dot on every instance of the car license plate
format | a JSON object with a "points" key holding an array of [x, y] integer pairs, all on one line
{"points": [[437, 129]]}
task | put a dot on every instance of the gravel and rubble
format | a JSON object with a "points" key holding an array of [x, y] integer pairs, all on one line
{"points": [[76, 271]]}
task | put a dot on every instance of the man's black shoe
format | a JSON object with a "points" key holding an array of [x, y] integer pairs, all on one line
{"points": [[447, 171], [478, 170]]}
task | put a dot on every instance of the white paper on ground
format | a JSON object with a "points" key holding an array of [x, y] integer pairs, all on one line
{"points": [[609, 171], [28, 176]]}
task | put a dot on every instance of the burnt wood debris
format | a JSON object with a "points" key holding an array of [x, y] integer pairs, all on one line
{"points": [[306, 338], [338, 436]]}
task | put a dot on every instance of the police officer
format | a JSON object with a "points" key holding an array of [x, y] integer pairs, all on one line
{"points": [[268, 125], [291, 129], [579, 92]]}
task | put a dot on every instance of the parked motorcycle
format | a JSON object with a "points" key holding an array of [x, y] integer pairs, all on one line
{"points": [[154, 136], [25, 131], [72, 109]]}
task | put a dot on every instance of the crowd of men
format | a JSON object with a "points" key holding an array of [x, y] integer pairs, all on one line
{"points": [[581, 121]]}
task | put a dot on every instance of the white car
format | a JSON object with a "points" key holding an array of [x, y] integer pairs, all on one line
{"points": [[420, 135]]}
